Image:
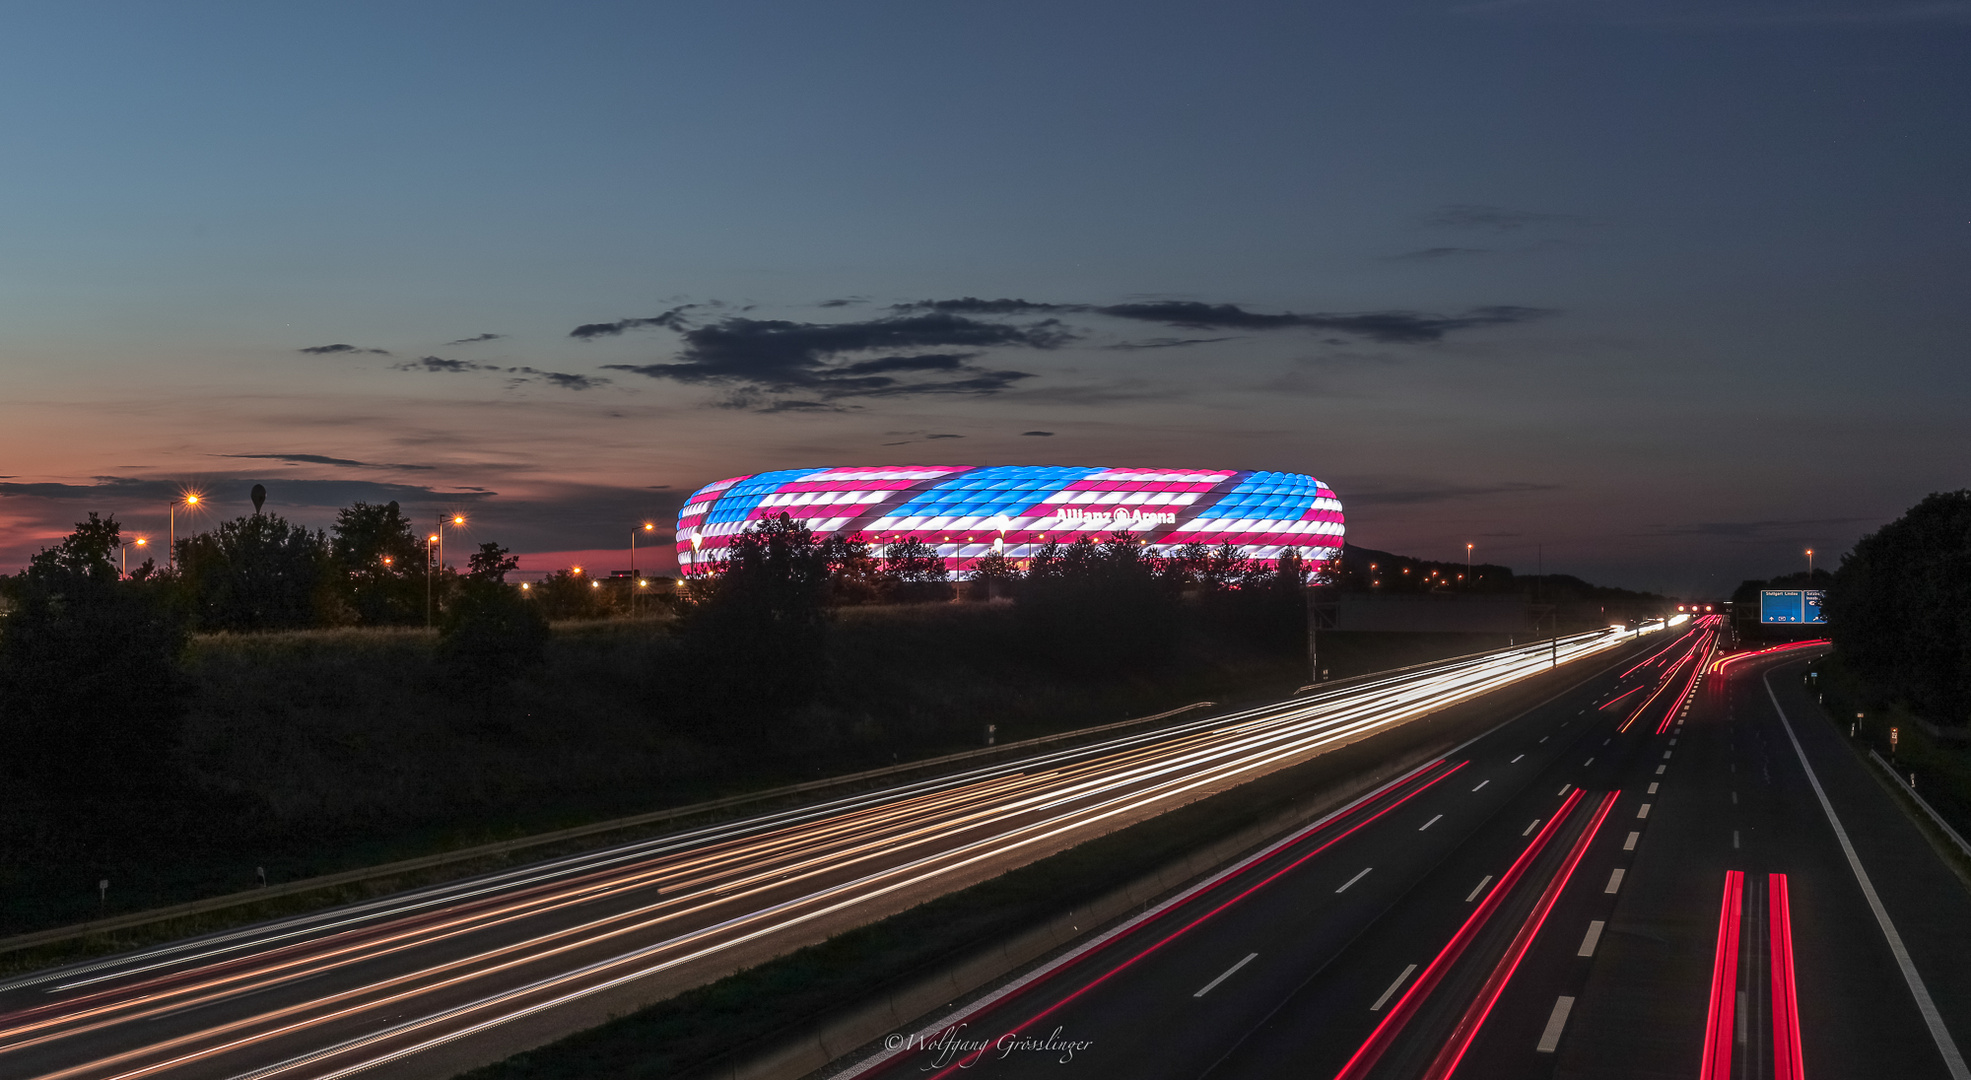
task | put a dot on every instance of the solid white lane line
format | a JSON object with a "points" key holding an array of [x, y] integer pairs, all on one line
{"points": [[1630, 843], [1384, 999], [1924, 1003], [1229, 972], [1481, 784], [1356, 878], [1431, 822], [1550, 1038], [1594, 936], [1614, 880], [1479, 888]]}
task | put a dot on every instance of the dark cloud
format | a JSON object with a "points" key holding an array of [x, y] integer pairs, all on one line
{"points": [[771, 356], [1411, 494], [319, 459], [1475, 216], [1428, 254], [114, 490], [1748, 529], [1166, 342], [936, 436], [1397, 326], [561, 379], [476, 338], [333, 350], [1042, 434], [669, 320], [847, 301], [439, 363], [972, 305]]}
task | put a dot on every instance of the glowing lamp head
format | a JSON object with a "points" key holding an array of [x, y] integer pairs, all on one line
{"points": [[648, 527], [432, 539], [458, 519], [191, 500], [142, 542]]}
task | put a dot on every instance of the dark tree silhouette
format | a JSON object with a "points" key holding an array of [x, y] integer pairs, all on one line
{"points": [[489, 633], [1899, 609], [754, 631], [256, 573], [92, 697], [1098, 607], [380, 564]]}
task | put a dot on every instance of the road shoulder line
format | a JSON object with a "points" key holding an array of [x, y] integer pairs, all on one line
{"points": [[1953, 1059]]}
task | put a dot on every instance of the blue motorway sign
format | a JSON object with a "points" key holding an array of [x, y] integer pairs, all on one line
{"points": [[1792, 606]]}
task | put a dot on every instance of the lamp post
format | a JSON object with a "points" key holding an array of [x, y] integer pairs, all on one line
{"points": [[1810, 568], [140, 542], [430, 555], [191, 501], [635, 582], [1468, 566]]}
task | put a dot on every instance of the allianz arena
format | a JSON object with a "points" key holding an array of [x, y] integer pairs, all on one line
{"points": [[966, 511]]}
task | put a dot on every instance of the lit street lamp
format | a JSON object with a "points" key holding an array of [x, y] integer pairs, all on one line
{"points": [[140, 542], [647, 527], [190, 501], [1810, 568]]}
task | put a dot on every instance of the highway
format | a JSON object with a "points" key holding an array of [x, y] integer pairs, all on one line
{"points": [[1638, 879], [419, 983]]}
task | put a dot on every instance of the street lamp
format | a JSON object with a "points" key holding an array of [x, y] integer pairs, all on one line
{"points": [[647, 527], [190, 501], [431, 549], [140, 542], [1810, 568], [1468, 566]]}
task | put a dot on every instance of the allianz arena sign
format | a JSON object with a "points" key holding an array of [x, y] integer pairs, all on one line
{"points": [[966, 511]]}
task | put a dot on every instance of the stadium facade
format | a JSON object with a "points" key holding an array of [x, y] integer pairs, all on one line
{"points": [[967, 511]]}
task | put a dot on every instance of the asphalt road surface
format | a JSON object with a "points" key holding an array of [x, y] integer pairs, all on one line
{"points": [[1639, 879], [417, 984]]}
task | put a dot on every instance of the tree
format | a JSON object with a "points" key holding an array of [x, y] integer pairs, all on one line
{"points": [[919, 571], [92, 696], [380, 564], [1098, 607], [489, 633], [993, 574], [855, 575], [1899, 609], [491, 563], [754, 630], [261, 572], [570, 593]]}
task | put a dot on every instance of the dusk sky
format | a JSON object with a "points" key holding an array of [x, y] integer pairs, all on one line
{"points": [[1670, 290]]}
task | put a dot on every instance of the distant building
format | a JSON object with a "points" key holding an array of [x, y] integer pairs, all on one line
{"points": [[967, 511]]}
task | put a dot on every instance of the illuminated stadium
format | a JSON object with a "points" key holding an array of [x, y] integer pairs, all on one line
{"points": [[966, 511]]}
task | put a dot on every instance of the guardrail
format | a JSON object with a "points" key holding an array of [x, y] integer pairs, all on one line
{"points": [[1956, 837]]}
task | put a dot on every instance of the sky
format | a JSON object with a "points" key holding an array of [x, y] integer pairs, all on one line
{"points": [[1656, 292]]}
